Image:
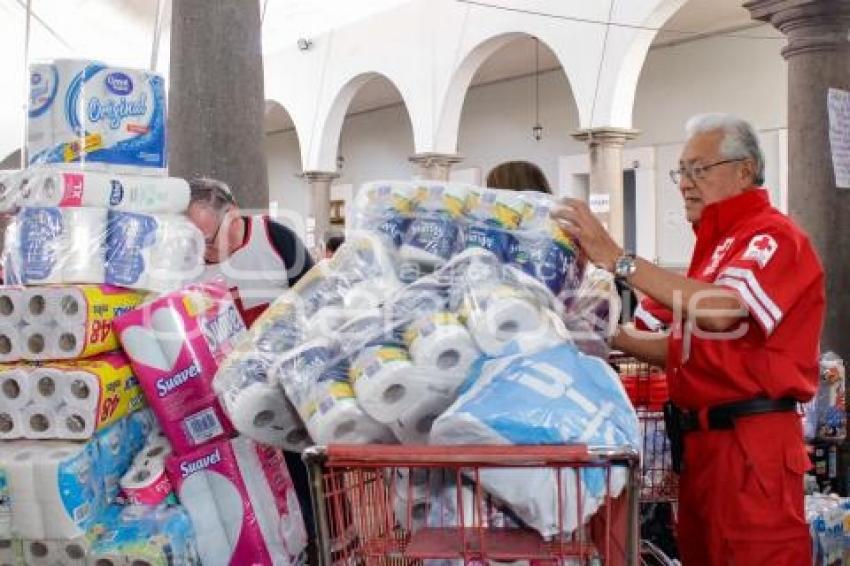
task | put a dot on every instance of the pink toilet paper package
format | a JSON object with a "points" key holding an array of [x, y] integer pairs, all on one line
{"points": [[242, 502], [175, 344]]}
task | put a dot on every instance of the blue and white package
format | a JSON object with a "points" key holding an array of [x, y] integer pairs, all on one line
{"points": [[88, 113], [145, 535], [434, 234], [155, 252], [555, 396]]}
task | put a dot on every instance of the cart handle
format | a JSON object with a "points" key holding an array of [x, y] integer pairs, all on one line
{"points": [[386, 455]]}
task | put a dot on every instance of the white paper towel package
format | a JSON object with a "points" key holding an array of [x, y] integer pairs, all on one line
{"points": [[242, 503], [88, 114], [553, 396]]}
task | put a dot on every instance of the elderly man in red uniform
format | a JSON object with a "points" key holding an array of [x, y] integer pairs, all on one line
{"points": [[742, 349]]}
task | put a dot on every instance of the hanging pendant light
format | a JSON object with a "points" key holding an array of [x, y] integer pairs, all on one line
{"points": [[537, 130]]}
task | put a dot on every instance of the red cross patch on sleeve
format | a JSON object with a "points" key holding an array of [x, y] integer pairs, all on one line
{"points": [[760, 249]]}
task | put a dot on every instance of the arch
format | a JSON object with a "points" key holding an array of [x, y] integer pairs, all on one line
{"points": [[277, 118], [323, 156], [448, 126], [630, 50]]}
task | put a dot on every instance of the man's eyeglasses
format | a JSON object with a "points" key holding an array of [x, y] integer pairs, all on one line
{"points": [[697, 172], [210, 242]]}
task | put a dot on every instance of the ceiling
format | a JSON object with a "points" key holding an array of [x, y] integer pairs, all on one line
{"points": [[696, 18]]}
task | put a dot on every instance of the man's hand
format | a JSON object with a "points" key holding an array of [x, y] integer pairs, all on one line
{"points": [[575, 217]]}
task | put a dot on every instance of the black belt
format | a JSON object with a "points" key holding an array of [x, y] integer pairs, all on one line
{"points": [[722, 417]]}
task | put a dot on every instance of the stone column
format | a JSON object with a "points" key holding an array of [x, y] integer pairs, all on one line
{"points": [[605, 146], [818, 55], [434, 166], [215, 96], [320, 205]]}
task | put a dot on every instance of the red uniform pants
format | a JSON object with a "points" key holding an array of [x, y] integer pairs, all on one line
{"points": [[741, 495]]}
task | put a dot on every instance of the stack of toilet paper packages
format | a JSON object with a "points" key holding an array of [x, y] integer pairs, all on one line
{"points": [[143, 535], [242, 503], [53, 490], [375, 370], [430, 222], [95, 116], [146, 251], [60, 322], [175, 344], [554, 396], [66, 400]]}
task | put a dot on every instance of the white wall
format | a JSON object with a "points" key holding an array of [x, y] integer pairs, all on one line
{"points": [[746, 77]]}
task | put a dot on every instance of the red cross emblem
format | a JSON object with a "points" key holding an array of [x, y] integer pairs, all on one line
{"points": [[761, 249]]}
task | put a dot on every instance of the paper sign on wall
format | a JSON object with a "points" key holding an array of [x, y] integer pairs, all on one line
{"points": [[838, 102], [600, 203]]}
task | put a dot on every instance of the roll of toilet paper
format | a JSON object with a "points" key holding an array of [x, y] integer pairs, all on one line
{"points": [[75, 423], [74, 552], [364, 296], [46, 385], [11, 306], [11, 424], [41, 552], [81, 389], [146, 483], [500, 319], [38, 342], [109, 559], [35, 302], [441, 342], [383, 381], [8, 551], [152, 252], [139, 193], [85, 233], [10, 344], [414, 426], [20, 475], [334, 417], [15, 388], [263, 413], [39, 421], [10, 189]]}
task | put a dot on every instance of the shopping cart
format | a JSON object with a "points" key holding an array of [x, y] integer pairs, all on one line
{"points": [[646, 386], [369, 509]]}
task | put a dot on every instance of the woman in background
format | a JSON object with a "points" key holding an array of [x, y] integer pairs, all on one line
{"points": [[518, 176]]}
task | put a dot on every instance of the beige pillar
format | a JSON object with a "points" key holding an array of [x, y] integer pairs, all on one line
{"points": [[605, 146], [818, 55], [320, 205], [434, 166]]}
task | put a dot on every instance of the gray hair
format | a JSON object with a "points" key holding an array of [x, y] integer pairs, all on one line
{"points": [[740, 140], [211, 193]]}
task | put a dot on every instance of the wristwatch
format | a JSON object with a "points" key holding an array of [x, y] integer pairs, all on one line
{"points": [[625, 266]]}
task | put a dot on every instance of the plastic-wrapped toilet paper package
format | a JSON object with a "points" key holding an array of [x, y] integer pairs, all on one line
{"points": [[241, 502], [175, 345], [48, 186], [143, 535], [555, 396], [67, 400], [385, 207], [594, 314], [256, 406], [100, 117], [155, 252], [505, 319], [434, 234], [56, 245], [316, 381], [63, 322], [10, 192], [493, 217]]}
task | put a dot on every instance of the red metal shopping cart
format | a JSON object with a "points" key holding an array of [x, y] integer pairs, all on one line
{"points": [[367, 509]]}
